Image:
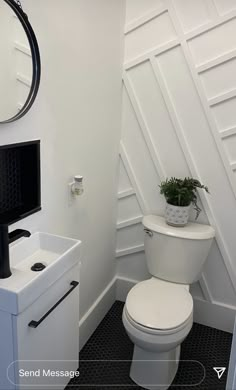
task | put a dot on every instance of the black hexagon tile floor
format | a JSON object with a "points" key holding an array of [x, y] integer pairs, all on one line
{"points": [[105, 359]]}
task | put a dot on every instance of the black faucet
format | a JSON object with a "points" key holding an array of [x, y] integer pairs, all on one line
{"points": [[6, 239]]}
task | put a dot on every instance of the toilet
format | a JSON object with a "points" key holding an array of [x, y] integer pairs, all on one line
{"points": [[158, 312]]}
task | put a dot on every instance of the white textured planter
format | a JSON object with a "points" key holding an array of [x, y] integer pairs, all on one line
{"points": [[177, 215]]}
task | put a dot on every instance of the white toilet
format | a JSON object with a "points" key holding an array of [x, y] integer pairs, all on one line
{"points": [[158, 312]]}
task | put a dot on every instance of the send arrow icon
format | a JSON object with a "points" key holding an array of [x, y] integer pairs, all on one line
{"points": [[220, 371]]}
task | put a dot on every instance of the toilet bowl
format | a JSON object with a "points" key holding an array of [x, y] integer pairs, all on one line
{"points": [[157, 316], [158, 312]]}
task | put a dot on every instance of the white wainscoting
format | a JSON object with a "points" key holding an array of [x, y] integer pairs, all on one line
{"points": [[216, 315], [179, 119], [92, 318]]}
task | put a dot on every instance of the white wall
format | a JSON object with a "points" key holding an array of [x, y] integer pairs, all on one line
{"points": [[77, 117], [179, 119]]}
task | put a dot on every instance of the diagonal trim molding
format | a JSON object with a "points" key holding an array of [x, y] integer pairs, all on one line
{"points": [[144, 127], [133, 179], [202, 96], [181, 42], [144, 19], [194, 170]]}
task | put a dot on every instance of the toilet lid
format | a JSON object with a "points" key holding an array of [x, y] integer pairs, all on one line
{"points": [[159, 304]]}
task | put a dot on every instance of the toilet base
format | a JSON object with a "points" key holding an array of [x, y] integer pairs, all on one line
{"points": [[154, 371]]}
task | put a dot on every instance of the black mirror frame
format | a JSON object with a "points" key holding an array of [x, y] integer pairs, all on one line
{"points": [[36, 63]]}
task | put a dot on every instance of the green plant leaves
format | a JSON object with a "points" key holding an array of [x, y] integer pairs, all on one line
{"points": [[182, 192]]}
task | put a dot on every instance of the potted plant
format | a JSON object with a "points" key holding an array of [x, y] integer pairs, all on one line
{"points": [[179, 195]]}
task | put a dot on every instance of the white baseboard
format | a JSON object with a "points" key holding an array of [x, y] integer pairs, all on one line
{"points": [[90, 321], [215, 315], [123, 286]]}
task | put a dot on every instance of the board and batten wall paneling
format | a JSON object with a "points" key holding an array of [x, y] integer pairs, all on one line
{"points": [[179, 119]]}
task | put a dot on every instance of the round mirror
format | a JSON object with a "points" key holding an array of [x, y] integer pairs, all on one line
{"points": [[19, 62]]}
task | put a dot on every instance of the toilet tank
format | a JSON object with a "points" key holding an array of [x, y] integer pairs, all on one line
{"points": [[176, 254]]}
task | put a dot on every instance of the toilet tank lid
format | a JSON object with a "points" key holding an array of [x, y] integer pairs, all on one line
{"points": [[192, 231]]}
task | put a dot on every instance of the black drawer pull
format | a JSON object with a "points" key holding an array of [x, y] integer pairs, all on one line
{"points": [[35, 324]]}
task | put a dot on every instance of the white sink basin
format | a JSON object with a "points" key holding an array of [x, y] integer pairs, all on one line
{"points": [[57, 253]]}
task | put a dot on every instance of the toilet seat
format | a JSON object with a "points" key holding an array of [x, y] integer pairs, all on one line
{"points": [[156, 306], [158, 332]]}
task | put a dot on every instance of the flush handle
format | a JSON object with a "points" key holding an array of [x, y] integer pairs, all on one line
{"points": [[149, 232]]}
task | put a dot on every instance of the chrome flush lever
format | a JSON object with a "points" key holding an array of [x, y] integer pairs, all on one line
{"points": [[149, 232]]}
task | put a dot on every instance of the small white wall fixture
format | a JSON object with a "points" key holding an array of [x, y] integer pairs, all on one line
{"points": [[70, 124], [179, 119]]}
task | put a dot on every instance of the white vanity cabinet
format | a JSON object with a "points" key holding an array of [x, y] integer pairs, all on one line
{"points": [[47, 354]]}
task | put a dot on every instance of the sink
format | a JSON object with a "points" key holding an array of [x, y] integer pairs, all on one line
{"points": [[57, 254]]}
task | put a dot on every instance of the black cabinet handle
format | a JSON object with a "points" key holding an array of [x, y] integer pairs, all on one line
{"points": [[35, 324]]}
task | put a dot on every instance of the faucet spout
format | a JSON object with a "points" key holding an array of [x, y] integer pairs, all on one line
{"points": [[5, 240], [17, 234]]}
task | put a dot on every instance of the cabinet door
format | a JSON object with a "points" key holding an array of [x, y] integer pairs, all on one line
{"points": [[6, 351], [50, 352]]}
